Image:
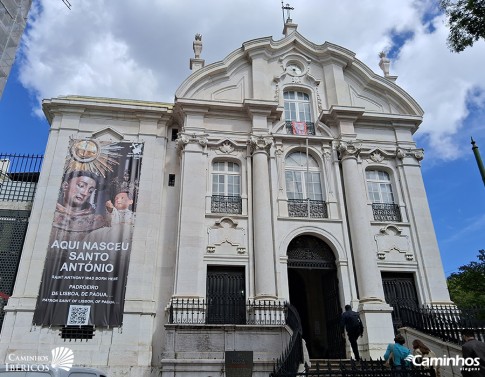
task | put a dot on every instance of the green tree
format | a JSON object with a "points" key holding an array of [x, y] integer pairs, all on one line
{"points": [[467, 287], [466, 19]]}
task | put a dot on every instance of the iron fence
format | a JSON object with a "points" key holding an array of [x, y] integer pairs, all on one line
{"points": [[445, 322], [363, 368], [197, 311], [19, 175]]}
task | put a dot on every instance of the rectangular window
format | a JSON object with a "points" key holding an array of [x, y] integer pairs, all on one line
{"points": [[175, 134], [171, 180]]}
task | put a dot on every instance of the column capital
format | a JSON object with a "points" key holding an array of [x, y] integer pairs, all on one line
{"points": [[184, 139], [348, 149], [260, 143], [417, 153]]}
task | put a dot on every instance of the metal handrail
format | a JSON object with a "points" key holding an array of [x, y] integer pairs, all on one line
{"points": [[292, 357], [445, 322]]}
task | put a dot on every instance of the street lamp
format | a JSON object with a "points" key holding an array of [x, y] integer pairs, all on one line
{"points": [[479, 160]]}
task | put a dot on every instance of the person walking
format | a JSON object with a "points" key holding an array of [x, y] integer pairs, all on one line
{"points": [[397, 352], [422, 351], [351, 322], [475, 349]]}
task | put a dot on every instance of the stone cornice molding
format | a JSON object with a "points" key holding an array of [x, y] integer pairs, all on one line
{"points": [[260, 143], [269, 109], [337, 114]]}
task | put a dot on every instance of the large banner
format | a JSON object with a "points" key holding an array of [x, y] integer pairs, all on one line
{"points": [[86, 267]]}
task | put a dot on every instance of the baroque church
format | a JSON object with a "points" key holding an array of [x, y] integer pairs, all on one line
{"points": [[163, 237]]}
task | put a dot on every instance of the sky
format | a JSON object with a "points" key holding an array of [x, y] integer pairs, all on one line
{"points": [[141, 50]]}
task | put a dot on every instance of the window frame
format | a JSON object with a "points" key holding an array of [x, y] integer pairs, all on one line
{"points": [[226, 173], [299, 105], [302, 171], [385, 209], [380, 183]]}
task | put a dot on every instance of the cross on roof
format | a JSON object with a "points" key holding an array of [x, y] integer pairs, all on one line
{"points": [[287, 8]]}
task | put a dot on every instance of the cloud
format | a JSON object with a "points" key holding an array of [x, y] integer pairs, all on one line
{"points": [[141, 49]]}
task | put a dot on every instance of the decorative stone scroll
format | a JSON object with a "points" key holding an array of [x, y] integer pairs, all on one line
{"points": [[226, 230], [417, 153], [390, 239], [184, 138]]}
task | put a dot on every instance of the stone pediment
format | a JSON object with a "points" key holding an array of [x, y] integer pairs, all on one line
{"points": [[107, 133]]}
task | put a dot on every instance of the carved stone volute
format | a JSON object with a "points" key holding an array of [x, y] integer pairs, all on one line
{"points": [[260, 143]]}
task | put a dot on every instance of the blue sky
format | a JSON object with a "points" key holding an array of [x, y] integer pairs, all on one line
{"points": [[141, 50]]}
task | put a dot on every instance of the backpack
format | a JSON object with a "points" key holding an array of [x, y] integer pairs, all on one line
{"points": [[354, 324]]}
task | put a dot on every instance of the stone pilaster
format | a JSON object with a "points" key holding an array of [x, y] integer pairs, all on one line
{"points": [[430, 266], [192, 232]]}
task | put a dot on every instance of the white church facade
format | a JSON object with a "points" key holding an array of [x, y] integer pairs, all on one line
{"points": [[286, 172]]}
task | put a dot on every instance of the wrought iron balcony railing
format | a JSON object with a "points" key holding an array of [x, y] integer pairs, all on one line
{"points": [[307, 208], [226, 204], [308, 130], [386, 212], [18, 176], [199, 311]]}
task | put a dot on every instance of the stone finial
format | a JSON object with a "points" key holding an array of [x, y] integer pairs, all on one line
{"points": [[196, 62]]}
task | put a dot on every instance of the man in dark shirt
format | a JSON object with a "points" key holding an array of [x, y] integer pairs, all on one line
{"points": [[351, 322], [475, 349]]}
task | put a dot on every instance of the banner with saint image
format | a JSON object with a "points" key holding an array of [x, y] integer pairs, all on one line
{"points": [[86, 266]]}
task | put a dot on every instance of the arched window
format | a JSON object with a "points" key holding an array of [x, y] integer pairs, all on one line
{"points": [[298, 113], [226, 187], [304, 186], [380, 193]]}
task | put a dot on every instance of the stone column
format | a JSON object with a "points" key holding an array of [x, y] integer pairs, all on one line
{"points": [[375, 313], [368, 276], [265, 286]]}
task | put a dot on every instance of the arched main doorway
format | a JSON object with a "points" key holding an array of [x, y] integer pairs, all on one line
{"points": [[313, 287]]}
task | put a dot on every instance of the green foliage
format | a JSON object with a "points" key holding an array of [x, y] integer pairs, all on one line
{"points": [[466, 19], [467, 287]]}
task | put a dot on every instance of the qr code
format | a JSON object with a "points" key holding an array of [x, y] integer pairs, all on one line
{"points": [[78, 315]]}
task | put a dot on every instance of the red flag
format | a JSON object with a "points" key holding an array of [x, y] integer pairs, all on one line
{"points": [[299, 128]]}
